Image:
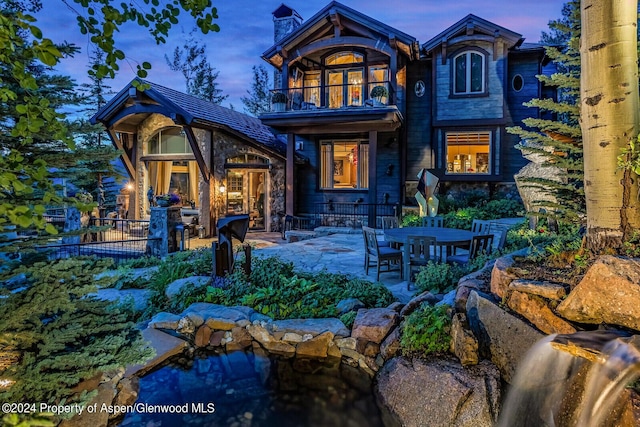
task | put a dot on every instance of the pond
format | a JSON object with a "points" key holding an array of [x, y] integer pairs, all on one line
{"points": [[250, 389]]}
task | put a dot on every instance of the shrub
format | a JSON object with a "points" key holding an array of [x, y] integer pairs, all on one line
{"points": [[411, 220], [439, 277], [426, 331], [462, 218], [62, 334]]}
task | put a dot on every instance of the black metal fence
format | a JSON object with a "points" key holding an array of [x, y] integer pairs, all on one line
{"points": [[354, 215], [120, 239], [118, 250]]}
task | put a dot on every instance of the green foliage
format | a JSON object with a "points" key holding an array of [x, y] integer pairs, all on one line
{"points": [[142, 262], [631, 247], [411, 220], [462, 218], [62, 334], [426, 331], [349, 318], [274, 290], [439, 277], [258, 100], [629, 157], [559, 140]]}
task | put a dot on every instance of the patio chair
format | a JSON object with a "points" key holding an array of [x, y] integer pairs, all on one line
{"points": [[387, 223], [432, 221], [418, 252], [480, 244], [499, 232], [480, 226], [382, 255]]}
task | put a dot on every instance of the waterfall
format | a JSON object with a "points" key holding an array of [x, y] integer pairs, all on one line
{"points": [[571, 380]]}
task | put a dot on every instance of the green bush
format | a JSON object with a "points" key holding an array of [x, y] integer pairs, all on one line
{"points": [[426, 331], [290, 295], [462, 218], [439, 277], [411, 220], [63, 334]]}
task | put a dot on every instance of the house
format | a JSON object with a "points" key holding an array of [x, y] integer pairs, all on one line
{"points": [[362, 108]]}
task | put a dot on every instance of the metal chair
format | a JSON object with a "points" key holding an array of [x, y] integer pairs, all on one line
{"points": [[417, 253], [382, 255], [432, 221], [480, 244]]}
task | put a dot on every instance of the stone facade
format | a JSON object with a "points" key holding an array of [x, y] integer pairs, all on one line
{"points": [[216, 147]]}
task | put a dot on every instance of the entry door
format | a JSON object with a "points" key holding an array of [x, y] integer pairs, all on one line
{"points": [[257, 199]]}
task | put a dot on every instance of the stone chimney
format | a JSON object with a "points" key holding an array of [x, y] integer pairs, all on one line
{"points": [[285, 21]]}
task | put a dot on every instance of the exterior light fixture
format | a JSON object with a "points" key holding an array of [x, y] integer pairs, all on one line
{"points": [[222, 189]]}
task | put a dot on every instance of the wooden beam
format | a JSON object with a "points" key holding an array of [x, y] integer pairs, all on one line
{"points": [[193, 142], [289, 178], [131, 170], [373, 180], [335, 20]]}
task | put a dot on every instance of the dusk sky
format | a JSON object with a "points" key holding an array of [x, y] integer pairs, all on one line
{"points": [[246, 31]]}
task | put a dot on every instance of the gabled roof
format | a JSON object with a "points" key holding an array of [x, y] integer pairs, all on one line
{"points": [[472, 25], [336, 14], [188, 110]]}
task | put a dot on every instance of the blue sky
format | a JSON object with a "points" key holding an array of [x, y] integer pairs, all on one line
{"points": [[247, 31]]}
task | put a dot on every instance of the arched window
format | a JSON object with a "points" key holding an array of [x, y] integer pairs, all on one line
{"points": [[469, 73], [169, 141], [341, 58]]}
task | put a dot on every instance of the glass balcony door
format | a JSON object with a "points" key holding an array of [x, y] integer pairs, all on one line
{"points": [[344, 88]]}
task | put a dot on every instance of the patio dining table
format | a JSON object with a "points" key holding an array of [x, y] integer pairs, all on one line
{"points": [[447, 237]]}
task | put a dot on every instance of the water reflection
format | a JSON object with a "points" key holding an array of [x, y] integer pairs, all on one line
{"points": [[253, 390]]}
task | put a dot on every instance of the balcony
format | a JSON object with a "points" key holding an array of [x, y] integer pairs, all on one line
{"points": [[344, 96]]}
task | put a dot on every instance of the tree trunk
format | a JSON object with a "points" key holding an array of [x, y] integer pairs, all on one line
{"points": [[609, 118]]}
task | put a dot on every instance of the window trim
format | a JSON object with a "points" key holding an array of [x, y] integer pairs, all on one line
{"points": [[490, 155], [158, 133], [513, 82], [359, 171], [468, 78]]}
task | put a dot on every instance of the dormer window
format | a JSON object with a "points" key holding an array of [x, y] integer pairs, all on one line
{"points": [[469, 73]]}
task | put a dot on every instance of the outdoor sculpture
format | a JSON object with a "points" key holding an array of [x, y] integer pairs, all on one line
{"points": [[428, 202]]}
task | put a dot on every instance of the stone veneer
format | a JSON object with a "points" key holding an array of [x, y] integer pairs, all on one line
{"points": [[218, 146]]}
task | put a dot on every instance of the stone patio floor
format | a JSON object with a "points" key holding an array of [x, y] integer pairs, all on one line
{"points": [[336, 253]]}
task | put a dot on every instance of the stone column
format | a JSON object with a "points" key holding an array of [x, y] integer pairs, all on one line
{"points": [[162, 236]]}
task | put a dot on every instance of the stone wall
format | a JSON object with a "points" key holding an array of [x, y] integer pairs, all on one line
{"points": [[226, 147]]}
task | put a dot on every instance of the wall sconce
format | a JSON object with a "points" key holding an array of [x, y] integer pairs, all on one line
{"points": [[129, 187], [390, 168], [385, 198], [222, 189]]}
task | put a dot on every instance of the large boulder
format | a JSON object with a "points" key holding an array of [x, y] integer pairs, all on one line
{"points": [[536, 311], [438, 392], [502, 337], [374, 324], [176, 287], [608, 293]]}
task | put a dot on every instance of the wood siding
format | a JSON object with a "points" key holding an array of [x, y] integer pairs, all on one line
{"points": [[476, 107], [420, 149]]}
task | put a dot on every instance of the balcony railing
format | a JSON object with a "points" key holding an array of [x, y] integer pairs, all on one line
{"points": [[332, 97]]}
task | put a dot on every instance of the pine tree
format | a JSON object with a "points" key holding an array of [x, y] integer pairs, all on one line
{"points": [[200, 77], [258, 100], [558, 139]]}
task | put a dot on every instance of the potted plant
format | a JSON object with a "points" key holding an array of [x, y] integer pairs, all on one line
{"points": [[379, 92], [279, 101], [165, 200]]}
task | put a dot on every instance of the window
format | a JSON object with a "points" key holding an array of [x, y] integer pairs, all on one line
{"points": [[379, 76], [344, 165], [468, 152], [341, 58], [169, 141], [312, 88], [517, 83], [468, 73], [167, 175]]}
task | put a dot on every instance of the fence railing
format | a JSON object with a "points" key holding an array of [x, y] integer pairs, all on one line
{"points": [[354, 215], [118, 250]]}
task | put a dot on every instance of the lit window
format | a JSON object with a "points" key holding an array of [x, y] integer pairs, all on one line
{"points": [[344, 58], [468, 73], [169, 141], [468, 152], [344, 165]]}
